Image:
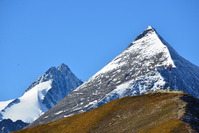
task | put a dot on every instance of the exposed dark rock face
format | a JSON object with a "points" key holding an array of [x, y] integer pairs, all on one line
{"points": [[8, 125]]}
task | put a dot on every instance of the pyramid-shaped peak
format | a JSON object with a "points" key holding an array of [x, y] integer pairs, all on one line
{"points": [[62, 67], [54, 73], [147, 31], [149, 28]]}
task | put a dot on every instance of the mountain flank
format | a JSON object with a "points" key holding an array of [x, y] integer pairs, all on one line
{"points": [[148, 64], [42, 95], [151, 113]]}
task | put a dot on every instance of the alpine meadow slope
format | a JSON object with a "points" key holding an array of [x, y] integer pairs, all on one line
{"points": [[148, 64], [41, 96], [158, 112]]}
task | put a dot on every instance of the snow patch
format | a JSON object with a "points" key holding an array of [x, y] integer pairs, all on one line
{"points": [[59, 112], [29, 104]]}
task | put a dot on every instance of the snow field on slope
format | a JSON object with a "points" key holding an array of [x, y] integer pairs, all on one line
{"points": [[143, 83], [3, 104], [148, 46], [29, 107]]}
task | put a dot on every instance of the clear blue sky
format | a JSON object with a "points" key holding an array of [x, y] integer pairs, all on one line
{"points": [[84, 34]]}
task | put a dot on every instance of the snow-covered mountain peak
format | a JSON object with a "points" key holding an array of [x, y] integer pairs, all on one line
{"points": [[149, 27], [149, 44], [149, 30], [145, 48], [53, 73], [42, 94]]}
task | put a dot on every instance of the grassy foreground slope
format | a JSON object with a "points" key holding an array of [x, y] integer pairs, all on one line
{"points": [[153, 112]]}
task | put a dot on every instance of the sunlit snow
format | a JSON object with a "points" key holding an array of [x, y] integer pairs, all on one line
{"points": [[29, 108], [3, 104], [148, 47]]}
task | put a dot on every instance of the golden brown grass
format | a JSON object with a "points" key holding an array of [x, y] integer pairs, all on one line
{"points": [[149, 113]]}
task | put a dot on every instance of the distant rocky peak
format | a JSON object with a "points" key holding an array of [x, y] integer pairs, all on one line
{"points": [[53, 73], [63, 67]]}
